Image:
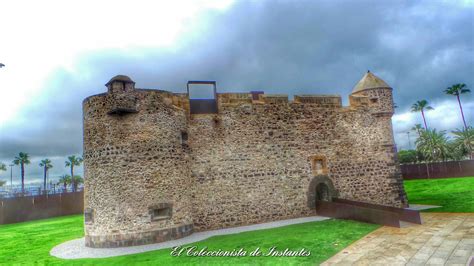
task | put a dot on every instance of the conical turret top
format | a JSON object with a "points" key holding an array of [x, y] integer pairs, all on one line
{"points": [[369, 81]]}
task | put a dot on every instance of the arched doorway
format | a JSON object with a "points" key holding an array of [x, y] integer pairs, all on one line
{"points": [[322, 192], [320, 188]]}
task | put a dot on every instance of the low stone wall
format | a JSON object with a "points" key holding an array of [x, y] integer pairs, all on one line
{"points": [[141, 238], [438, 170], [14, 210]]}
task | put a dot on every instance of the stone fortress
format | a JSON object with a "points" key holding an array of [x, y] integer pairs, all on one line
{"points": [[160, 166]]}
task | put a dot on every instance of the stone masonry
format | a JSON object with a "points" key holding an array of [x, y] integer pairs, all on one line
{"points": [[155, 172]]}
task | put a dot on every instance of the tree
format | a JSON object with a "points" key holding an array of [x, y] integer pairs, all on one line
{"points": [[71, 162], [22, 159], [418, 129], [46, 164], [433, 145], [455, 152], [464, 140], [76, 180], [407, 156], [64, 180], [421, 106], [457, 90]]}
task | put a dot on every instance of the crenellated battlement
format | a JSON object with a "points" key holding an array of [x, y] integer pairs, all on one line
{"points": [[370, 93]]}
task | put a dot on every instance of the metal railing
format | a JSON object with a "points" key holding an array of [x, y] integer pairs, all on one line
{"points": [[8, 191]]}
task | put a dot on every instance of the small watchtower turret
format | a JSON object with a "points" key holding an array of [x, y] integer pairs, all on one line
{"points": [[369, 81], [373, 92], [121, 90], [120, 84]]}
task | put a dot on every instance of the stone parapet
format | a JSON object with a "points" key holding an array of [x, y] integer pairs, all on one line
{"points": [[330, 101]]}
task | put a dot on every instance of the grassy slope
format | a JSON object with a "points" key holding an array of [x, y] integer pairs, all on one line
{"points": [[454, 194], [30, 243]]}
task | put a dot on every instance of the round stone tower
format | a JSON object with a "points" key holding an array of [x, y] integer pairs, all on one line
{"points": [[373, 93], [136, 164], [377, 93]]}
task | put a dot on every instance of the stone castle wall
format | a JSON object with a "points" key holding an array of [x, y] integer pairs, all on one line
{"points": [[252, 162], [154, 172]]}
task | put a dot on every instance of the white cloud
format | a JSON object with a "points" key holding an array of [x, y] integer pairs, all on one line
{"points": [[39, 36]]}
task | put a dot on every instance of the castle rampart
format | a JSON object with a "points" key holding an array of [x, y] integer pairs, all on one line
{"points": [[155, 172]]}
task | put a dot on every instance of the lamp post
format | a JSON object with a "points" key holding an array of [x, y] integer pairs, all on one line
{"points": [[409, 141], [11, 176]]}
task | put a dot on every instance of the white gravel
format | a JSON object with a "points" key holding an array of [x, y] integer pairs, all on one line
{"points": [[419, 207], [76, 249]]}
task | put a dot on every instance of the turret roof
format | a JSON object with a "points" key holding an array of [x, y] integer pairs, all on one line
{"points": [[369, 81], [122, 78]]}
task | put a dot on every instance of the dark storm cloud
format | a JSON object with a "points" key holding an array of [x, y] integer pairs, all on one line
{"points": [[291, 47]]}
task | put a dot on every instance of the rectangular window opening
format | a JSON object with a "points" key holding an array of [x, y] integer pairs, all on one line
{"points": [[88, 215], [184, 138], [161, 212], [202, 97], [319, 165]]}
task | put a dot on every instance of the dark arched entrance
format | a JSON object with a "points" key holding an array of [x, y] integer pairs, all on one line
{"points": [[322, 192], [320, 188]]}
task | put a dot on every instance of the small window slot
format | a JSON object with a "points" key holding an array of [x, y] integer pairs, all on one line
{"points": [[88, 215], [184, 138], [319, 165], [161, 211]]}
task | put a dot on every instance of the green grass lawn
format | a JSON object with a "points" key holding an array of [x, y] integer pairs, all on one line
{"points": [[453, 194], [30, 243]]}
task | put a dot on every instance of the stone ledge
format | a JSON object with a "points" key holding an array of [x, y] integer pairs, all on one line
{"points": [[135, 239]]}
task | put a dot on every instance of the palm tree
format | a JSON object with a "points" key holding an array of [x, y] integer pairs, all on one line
{"points": [[76, 180], [71, 162], [22, 159], [418, 128], [64, 180], [464, 140], [457, 90], [433, 145], [456, 152], [421, 106], [46, 164]]}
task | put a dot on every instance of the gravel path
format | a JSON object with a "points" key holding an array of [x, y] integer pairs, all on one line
{"points": [[419, 207], [76, 249]]}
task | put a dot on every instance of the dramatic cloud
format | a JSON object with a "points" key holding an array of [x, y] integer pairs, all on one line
{"points": [[320, 47]]}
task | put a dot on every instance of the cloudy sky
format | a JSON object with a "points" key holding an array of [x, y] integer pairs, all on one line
{"points": [[58, 52]]}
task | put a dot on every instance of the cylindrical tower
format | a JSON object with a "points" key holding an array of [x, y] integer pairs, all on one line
{"points": [[136, 167], [376, 95]]}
